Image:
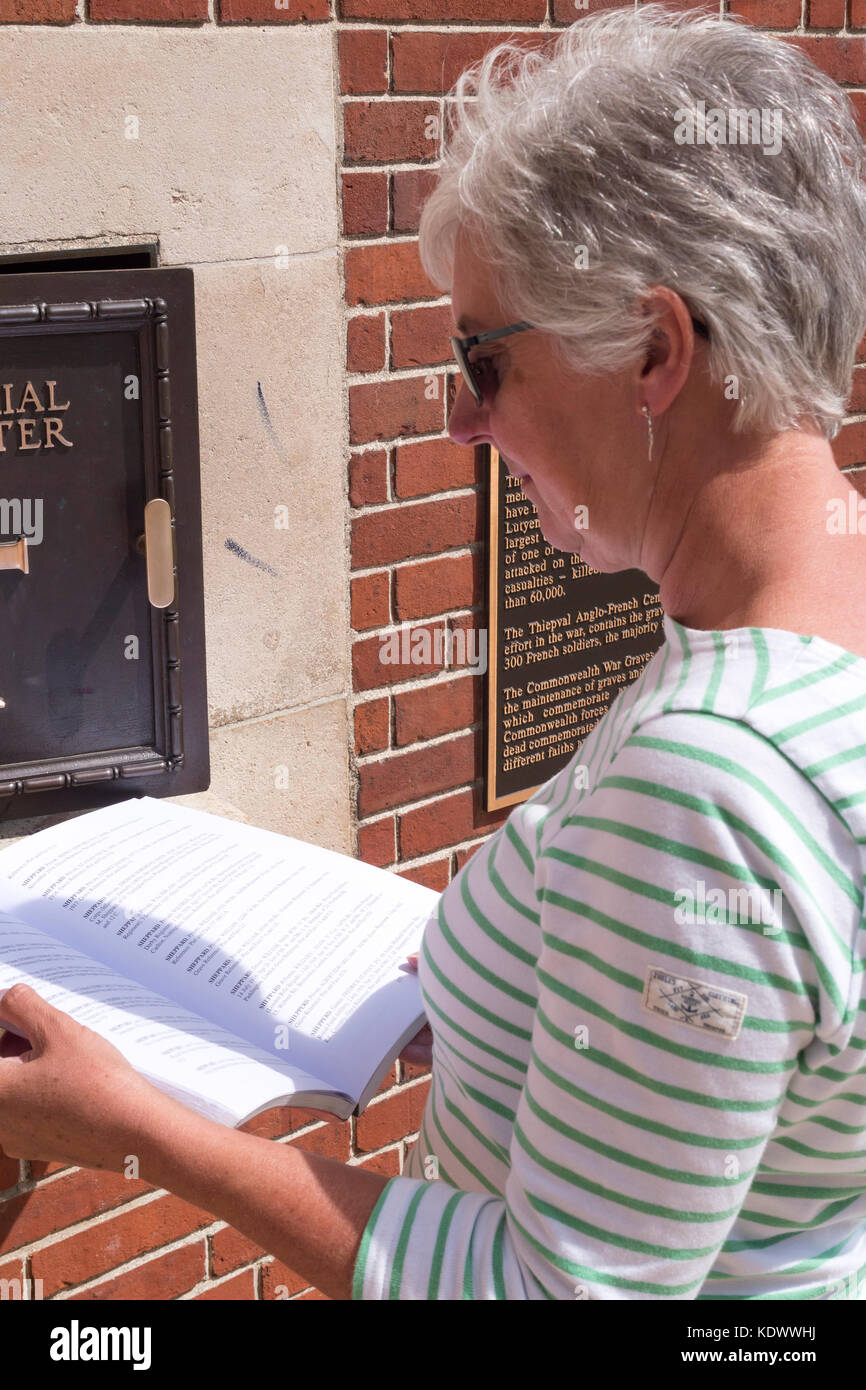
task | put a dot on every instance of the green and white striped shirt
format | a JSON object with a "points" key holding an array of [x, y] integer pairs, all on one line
{"points": [[630, 1098]]}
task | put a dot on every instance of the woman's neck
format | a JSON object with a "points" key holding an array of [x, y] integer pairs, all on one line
{"points": [[775, 543]]}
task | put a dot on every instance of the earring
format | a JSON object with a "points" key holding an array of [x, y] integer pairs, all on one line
{"points": [[649, 420]]}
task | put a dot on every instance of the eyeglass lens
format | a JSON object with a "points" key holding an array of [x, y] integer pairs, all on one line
{"points": [[466, 369]]}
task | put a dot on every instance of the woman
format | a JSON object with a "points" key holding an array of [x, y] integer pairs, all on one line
{"points": [[645, 991]]}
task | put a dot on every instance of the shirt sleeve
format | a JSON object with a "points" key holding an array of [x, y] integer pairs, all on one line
{"points": [[671, 1012]]}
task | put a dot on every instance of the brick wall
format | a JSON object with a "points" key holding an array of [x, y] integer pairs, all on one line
{"points": [[418, 501], [417, 506]]}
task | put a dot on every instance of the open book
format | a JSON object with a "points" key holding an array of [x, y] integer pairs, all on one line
{"points": [[235, 968]]}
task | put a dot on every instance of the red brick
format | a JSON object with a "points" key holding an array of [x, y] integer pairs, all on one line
{"points": [[421, 337], [425, 528], [377, 843], [464, 855], [41, 1168], [329, 1140], [431, 62], [372, 726], [842, 59], [266, 12], [276, 1121], [63, 1202], [370, 603], [373, 669], [289, 1119], [156, 11], [240, 1289], [368, 477], [825, 14], [230, 1250], [165, 1277], [388, 1082], [280, 1282], [363, 60], [365, 203], [419, 772], [393, 409], [376, 132], [467, 652], [439, 708], [849, 446], [110, 1243], [443, 11], [857, 478], [14, 1269], [857, 398], [857, 18], [436, 586], [37, 11], [313, 1294], [365, 343], [768, 14], [10, 1170], [434, 875], [284, 1119], [387, 1120], [386, 274], [436, 465], [411, 189], [445, 822], [412, 1070], [565, 11], [387, 1163]]}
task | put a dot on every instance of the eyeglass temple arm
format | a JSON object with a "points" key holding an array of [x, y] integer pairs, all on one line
{"points": [[499, 333], [521, 327]]}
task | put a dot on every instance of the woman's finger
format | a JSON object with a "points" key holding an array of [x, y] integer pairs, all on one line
{"points": [[29, 1014]]}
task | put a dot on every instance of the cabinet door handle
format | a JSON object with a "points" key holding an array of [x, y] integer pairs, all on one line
{"points": [[13, 555], [159, 552]]}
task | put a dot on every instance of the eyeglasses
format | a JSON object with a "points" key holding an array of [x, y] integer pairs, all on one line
{"points": [[461, 347]]}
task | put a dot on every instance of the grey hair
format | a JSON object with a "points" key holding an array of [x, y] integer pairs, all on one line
{"points": [[573, 146]]}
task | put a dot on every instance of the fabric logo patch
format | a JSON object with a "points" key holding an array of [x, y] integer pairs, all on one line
{"points": [[715, 1010]]}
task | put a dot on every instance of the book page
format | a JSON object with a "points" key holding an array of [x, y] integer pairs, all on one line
{"points": [[293, 947], [199, 1063]]}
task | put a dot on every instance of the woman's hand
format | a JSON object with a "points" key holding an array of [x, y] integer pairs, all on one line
{"points": [[420, 1049], [69, 1096], [66, 1094]]}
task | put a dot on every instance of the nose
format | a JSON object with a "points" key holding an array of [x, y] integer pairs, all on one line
{"points": [[467, 423]]}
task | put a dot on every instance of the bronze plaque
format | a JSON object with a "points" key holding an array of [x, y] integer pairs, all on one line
{"points": [[564, 639], [102, 676]]}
